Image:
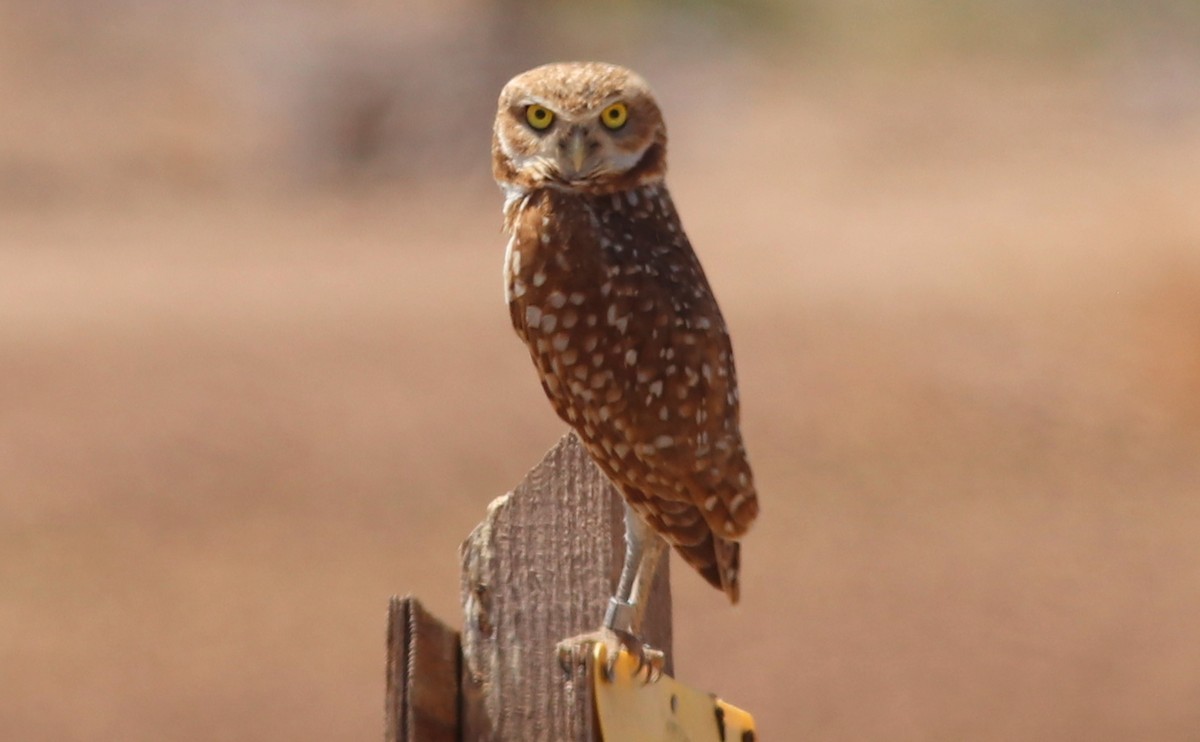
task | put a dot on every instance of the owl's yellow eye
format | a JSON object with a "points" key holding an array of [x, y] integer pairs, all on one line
{"points": [[539, 117], [614, 116]]}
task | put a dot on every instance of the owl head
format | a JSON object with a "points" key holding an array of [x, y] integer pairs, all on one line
{"points": [[582, 126]]}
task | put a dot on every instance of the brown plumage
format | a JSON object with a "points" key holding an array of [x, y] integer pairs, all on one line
{"points": [[605, 290]]}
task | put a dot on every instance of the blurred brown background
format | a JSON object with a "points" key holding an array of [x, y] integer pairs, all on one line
{"points": [[256, 374]]}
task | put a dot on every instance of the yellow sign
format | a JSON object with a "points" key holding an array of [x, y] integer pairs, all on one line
{"points": [[632, 710]]}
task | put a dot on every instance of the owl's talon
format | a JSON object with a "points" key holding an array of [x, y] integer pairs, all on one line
{"points": [[573, 653], [649, 659]]}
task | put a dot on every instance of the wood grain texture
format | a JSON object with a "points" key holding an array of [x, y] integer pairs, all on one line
{"points": [[541, 568], [422, 701]]}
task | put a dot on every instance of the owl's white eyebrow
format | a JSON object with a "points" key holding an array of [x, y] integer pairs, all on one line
{"points": [[530, 100], [596, 110]]}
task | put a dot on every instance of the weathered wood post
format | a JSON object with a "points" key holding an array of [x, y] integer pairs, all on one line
{"points": [[541, 568], [421, 701], [538, 569]]}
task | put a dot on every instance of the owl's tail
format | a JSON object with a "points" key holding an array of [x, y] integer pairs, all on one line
{"points": [[717, 560]]}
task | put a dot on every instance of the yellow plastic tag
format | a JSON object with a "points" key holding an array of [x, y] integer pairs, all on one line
{"points": [[631, 710]]}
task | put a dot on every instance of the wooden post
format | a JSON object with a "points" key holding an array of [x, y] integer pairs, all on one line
{"points": [[421, 702], [541, 568]]}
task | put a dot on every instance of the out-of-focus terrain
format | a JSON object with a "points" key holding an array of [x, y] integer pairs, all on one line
{"points": [[256, 374]]}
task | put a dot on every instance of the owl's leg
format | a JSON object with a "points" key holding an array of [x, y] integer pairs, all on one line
{"points": [[626, 609], [643, 550]]}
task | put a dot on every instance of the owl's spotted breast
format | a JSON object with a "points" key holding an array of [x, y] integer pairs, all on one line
{"points": [[632, 349]]}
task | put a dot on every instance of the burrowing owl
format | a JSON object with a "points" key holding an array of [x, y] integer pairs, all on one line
{"points": [[605, 290]]}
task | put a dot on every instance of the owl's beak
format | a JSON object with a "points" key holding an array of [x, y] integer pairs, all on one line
{"points": [[577, 150]]}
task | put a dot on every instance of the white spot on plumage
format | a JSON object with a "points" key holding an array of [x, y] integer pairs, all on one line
{"points": [[710, 503], [630, 357], [557, 299], [539, 278], [664, 441], [549, 322], [656, 388], [509, 273]]}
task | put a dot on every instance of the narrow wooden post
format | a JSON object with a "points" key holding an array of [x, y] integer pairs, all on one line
{"points": [[541, 568], [422, 701]]}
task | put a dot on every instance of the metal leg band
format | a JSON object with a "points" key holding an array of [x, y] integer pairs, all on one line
{"points": [[619, 615]]}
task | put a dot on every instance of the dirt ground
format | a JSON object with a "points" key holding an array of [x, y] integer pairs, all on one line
{"points": [[966, 310]]}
